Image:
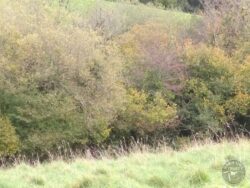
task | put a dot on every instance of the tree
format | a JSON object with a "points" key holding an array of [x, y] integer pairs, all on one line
{"points": [[226, 24], [59, 81], [210, 85]]}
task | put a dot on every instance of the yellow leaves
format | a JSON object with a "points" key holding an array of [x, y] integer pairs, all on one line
{"points": [[239, 104], [136, 101], [9, 141], [188, 43], [242, 76], [148, 31], [135, 42], [242, 55], [198, 54], [212, 66], [160, 111], [218, 87], [30, 48], [69, 77], [217, 109], [147, 113], [129, 50], [247, 61]]}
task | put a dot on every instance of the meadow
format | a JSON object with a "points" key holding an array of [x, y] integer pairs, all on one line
{"points": [[133, 14], [199, 165]]}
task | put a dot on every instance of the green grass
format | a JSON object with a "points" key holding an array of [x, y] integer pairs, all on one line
{"points": [[126, 15], [197, 166], [134, 11], [133, 14]]}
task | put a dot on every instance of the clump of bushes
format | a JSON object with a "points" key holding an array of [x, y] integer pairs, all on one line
{"points": [[60, 81], [144, 113], [66, 78], [185, 5], [210, 85]]}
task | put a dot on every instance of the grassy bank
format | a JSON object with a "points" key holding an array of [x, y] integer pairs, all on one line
{"points": [[130, 14], [197, 166]]}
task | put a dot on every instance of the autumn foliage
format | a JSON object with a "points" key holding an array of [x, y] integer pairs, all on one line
{"points": [[67, 78]]}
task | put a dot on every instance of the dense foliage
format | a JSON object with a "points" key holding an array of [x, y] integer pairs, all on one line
{"points": [[59, 80], [83, 79], [185, 5]]}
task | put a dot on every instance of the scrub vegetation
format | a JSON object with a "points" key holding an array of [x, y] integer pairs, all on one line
{"points": [[88, 75]]}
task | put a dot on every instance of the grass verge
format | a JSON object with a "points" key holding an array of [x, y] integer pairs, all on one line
{"points": [[196, 166]]}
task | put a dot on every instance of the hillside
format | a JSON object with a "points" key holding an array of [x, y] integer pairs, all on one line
{"points": [[79, 74], [198, 166]]}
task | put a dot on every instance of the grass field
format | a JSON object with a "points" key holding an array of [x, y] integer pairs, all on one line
{"points": [[130, 14], [197, 166], [131, 10], [126, 15]]}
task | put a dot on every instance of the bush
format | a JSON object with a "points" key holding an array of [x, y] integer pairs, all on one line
{"points": [[173, 3], [216, 93], [153, 58], [226, 24], [144, 114], [9, 142], [211, 83], [155, 74], [69, 79], [185, 5], [239, 104], [60, 81]]}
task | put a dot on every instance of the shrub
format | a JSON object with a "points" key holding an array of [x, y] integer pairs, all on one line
{"points": [[108, 22], [182, 4], [185, 5], [226, 24], [156, 73], [144, 114], [61, 81], [9, 142], [211, 83], [216, 95], [153, 57], [243, 70], [239, 104], [238, 107], [212, 66]]}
